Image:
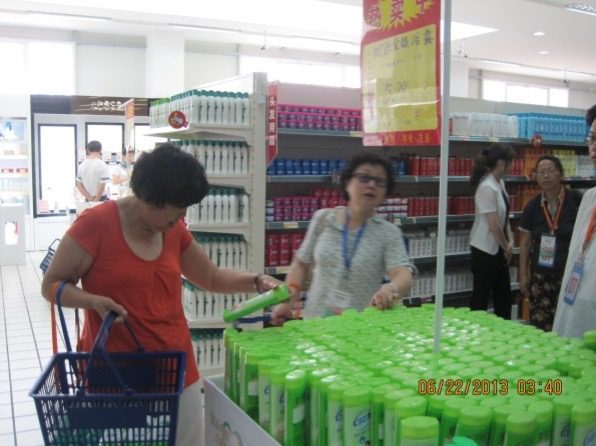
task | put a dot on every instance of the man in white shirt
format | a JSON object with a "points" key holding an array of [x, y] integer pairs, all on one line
{"points": [[93, 174], [576, 310]]}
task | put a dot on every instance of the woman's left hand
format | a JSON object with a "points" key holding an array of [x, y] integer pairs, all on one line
{"points": [[385, 298]]}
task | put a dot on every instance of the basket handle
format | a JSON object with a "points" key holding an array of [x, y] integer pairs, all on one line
{"points": [[99, 350]]}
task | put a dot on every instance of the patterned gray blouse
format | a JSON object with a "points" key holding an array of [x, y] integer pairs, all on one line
{"points": [[380, 249]]}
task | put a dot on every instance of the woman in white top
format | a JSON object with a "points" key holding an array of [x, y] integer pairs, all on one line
{"points": [[491, 239]]}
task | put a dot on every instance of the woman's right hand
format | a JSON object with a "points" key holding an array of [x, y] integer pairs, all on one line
{"points": [[103, 305], [281, 313]]}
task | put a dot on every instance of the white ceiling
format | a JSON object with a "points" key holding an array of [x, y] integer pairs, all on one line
{"points": [[569, 38]]}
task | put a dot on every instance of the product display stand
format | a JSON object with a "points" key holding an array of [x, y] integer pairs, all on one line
{"points": [[205, 310]]}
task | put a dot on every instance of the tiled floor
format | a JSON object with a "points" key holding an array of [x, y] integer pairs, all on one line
{"points": [[25, 348]]}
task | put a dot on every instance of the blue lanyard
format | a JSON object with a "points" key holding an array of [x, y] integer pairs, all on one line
{"points": [[346, 243]]}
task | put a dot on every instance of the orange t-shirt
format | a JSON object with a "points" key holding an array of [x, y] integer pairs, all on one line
{"points": [[149, 290]]}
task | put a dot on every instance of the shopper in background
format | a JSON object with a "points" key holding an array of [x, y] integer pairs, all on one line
{"points": [[576, 310], [129, 255], [93, 174], [122, 174], [490, 238], [544, 235], [350, 249]]}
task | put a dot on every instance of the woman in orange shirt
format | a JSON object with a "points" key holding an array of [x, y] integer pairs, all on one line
{"points": [[129, 255]]}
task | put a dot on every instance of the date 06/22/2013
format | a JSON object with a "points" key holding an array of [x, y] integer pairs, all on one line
{"points": [[486, 387]]}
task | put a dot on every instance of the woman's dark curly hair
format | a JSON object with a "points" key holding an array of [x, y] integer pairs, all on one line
{"points": [[169, 176]]}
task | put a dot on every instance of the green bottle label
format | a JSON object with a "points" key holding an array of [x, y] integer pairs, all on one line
{"points": [[335, 423], [584, 435], [561, 430], [356, 425], [277, 412]]}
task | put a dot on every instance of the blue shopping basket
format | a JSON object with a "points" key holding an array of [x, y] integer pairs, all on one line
{"points": [[110, 399]]}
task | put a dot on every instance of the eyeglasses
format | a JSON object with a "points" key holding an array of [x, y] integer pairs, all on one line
{"points": [[591, 139], [549, 172], [365, 179]]}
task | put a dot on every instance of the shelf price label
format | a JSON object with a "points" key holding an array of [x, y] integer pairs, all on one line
{"points": [[290, 225], [400, 72]]}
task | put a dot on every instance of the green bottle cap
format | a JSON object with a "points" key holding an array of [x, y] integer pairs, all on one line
{"points": [[530, 370], [410, 406], [494, 401], [563, 404], [543, 411], [356, 396], [512, 376], [521, 423], [394, 396], [563, 364], [335, 390], [278, 374], [502, 412], [326, 382], [475, 416], [295, 380], [576, 367], [584, 413], [463, 441], [547, 374], [453, 406], [419, 427], [267, 365], [437, 402]]}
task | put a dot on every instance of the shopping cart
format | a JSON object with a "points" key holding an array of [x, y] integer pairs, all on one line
{"points": [[109, 399]]}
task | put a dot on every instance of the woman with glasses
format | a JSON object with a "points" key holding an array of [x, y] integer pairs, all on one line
{"points": [[544, 235], [490, 238], [350, 249]]}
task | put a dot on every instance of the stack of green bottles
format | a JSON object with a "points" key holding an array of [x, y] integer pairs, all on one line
{"points": [[371, 377]]}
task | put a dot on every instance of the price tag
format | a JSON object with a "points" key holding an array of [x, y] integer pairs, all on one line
{"points": [[290, 225], [546, 254], [573, 282]]}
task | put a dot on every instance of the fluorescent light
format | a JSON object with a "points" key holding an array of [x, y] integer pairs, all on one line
{"points": [[543, 52], [539, 33], [461, 30], [68, 16], [579, 73], [582, 8], [500, 62], [204, 28]]}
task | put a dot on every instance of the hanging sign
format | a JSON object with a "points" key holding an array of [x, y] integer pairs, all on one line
{"points": [[271, 131], [129, 125], [400, 62]]}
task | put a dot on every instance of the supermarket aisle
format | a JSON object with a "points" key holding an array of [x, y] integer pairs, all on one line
{"points": [[25, 348]]}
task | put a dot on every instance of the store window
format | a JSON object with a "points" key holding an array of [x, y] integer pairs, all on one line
{"points": [[111, 137], [301, 72], [144, 143], [12, 72], [501, 91]]}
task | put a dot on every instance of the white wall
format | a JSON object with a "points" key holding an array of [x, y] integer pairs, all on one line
{"points": [[110, 71], [202, 68]]}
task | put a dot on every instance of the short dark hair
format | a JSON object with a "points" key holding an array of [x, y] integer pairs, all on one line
{"points": [[169, 176], [366, 158], [93, 146], [553, 159], [591, 115]]}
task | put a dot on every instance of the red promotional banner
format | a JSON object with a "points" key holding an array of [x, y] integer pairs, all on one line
{"points": [[271, 131], [400, 60]]}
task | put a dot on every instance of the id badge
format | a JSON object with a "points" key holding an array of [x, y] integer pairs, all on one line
{"points": [[546, 254], [338, 300], [573, 282]]}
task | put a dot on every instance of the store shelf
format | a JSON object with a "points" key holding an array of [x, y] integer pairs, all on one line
{"points": [[207, 324], [421, 260], [207, 372], [243, 181], [514, 287], [277, 270], [276, 225], [299, 178], [429, 179], [330, 133], [223, 228], [195, 131], [13, 157], [493, 139]]}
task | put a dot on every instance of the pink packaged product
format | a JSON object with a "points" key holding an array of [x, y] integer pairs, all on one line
{"points": [[307, 117]]}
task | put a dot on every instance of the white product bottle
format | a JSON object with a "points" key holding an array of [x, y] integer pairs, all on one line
{"points": [[235, 156], [225, 206], [217, 149], [245, 109], [241, 256], [237, 108], [210, 208], [211, 107], [200, 154], [243, 159], [200, 304], [233, 203], [203, 210], [244, 208], [218, 246], [209, 158], [218, 217], [194, 107], [203, 107], [225, 108], [225, 154]]}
